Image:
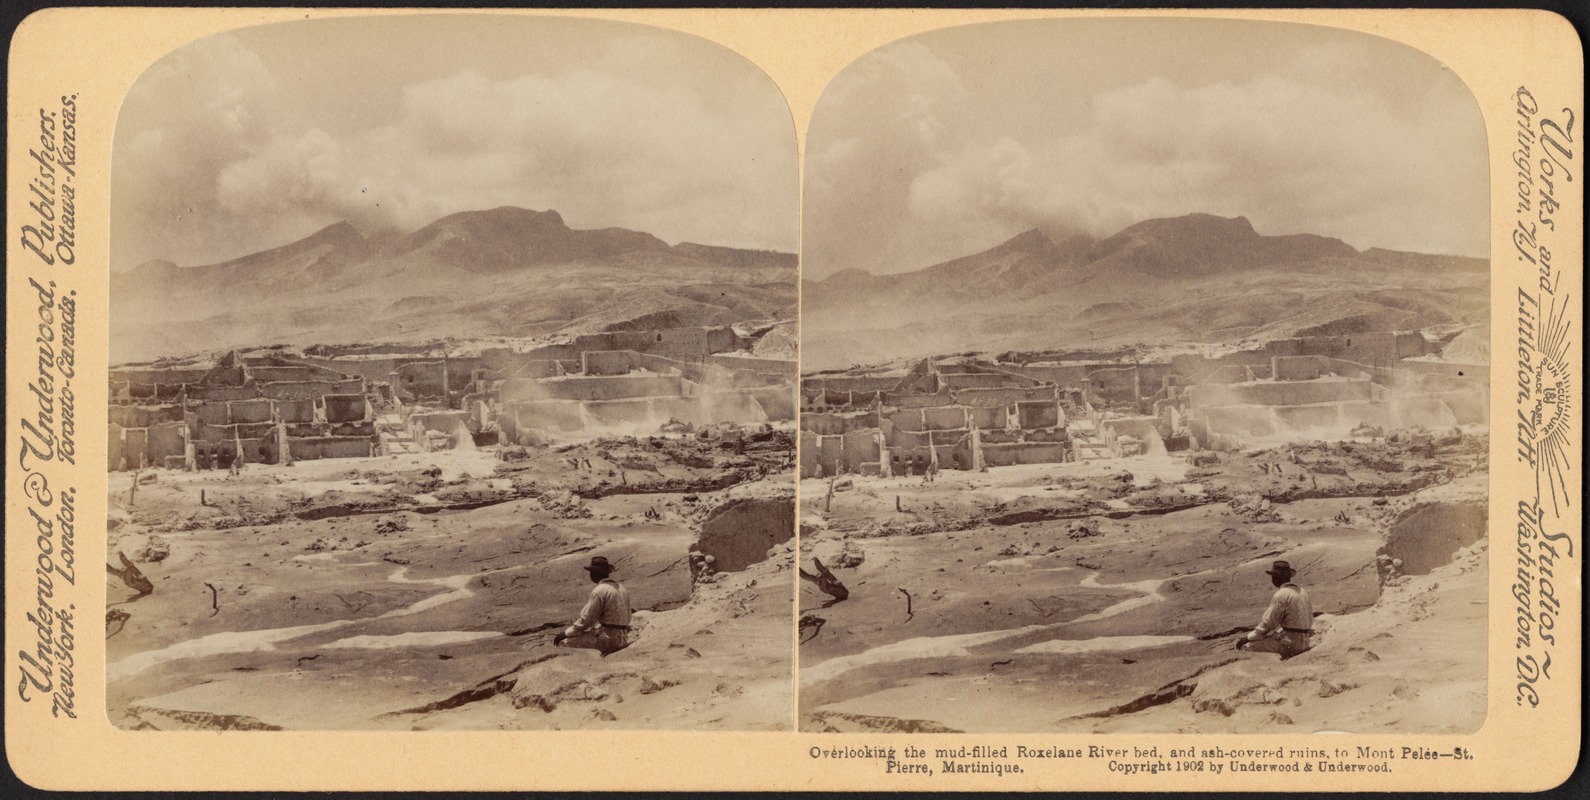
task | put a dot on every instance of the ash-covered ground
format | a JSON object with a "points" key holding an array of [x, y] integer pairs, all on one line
{"points": [[1106, 595], [422, 590]]}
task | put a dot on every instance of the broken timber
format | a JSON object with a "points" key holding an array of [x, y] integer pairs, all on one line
{"points": [[825, 581]]}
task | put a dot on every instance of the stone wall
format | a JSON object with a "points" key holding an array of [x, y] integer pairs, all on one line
{"points": [[154, 376], [773, 366], [144, 416], [295, 410], [944, 418], [606, 362], [345, 407], [166, 440], [305, 372], [227, 433], [243, 411], [420, 379], [1005, 396], [999, 455], [1041, 414], [223, 393], [1299, 368], [977, 380], [836, 424], [1375, 348], [371, 369], [987, 418], [311, 449], [310, 390]]}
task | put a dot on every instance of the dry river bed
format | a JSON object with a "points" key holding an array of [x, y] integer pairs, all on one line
{"points": [[1105, 623], [417, 620]]}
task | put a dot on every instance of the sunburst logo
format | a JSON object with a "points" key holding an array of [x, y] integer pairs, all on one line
{"points": [[1554, 404]]}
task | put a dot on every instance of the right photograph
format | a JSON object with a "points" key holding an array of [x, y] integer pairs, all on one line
{"points": [[1144, 384]]}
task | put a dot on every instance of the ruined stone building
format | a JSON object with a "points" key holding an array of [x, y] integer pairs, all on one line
{"points": [[264, 409], [603, 383], [278, 409], [959, 416], [968, 414]]}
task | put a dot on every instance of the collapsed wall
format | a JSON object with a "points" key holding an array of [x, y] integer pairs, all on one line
{"points": [[964, 420], [267, 409]]}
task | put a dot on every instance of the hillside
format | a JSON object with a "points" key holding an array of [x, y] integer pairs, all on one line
{"points": [[502, 272], [1184, 280]]}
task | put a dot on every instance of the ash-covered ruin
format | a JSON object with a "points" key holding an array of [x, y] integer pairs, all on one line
{"points": [[1036, 408], [277, 407]]}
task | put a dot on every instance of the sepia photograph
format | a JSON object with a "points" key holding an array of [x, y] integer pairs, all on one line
{"points": [[1145, 384], [452, 381], [762, 399]]}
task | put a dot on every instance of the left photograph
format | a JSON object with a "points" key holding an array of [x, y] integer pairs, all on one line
{"points": [[453, 381]]}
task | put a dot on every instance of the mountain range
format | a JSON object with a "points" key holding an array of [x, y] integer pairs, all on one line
{"points": [[1175, 282], [504, 272]]}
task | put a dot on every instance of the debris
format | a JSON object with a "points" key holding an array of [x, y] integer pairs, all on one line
{"points": [[1329, 689], [132, 577], [118, 618], [215, 601], [825, 581], [392, 525], [649, 686], [850, 556], [813, 623], [154, 551]]}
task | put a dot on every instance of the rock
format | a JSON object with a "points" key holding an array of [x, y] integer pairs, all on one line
{"points": [[649, 686], [604, 715], [392, 525], [153, 552], [1279, 718], [1217, 705], [850, 556], [690, 652], [1329, 689]]}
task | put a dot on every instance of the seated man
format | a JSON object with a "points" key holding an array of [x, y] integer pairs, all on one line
{"points": [[603, 625], [1289, 620]]}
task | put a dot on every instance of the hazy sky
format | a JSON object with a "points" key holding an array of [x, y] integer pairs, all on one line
{"points": [[257, 138], [949, 143]]}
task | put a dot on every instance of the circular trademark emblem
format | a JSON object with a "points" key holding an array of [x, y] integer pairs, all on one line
{"points": [[1552, 384]]}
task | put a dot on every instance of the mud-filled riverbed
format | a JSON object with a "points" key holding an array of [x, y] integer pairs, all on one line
{"points": [[1125, 619], [348, 595]]}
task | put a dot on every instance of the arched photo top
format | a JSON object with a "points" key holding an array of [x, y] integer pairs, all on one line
{"points": [[1140, 305], [536, 255]]}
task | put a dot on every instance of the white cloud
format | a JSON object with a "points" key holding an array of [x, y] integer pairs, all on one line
{"points": [[1325, 139], [633, 139]]}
